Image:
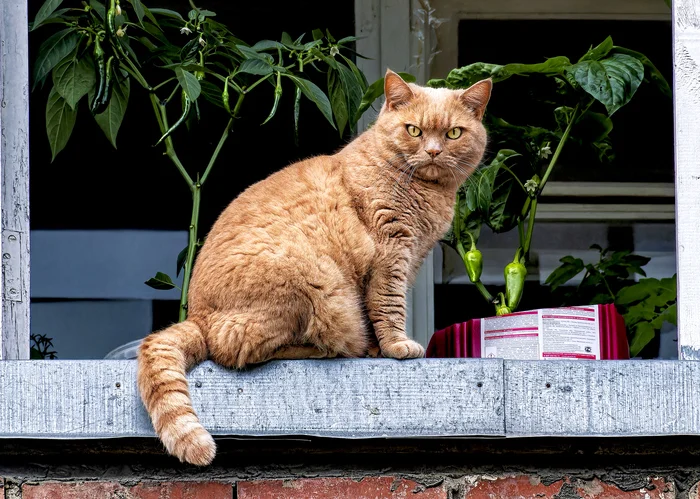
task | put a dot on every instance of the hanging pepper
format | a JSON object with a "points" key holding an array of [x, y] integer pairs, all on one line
{"points": [[104, 79], [224, 97], [186, 103], [501, 307], [474, 262], [515, 273]]}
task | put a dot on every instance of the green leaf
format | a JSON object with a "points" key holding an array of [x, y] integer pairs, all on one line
{"points": [[189, 83], [167, 13], [338, 101], [249, 53], [651, 73], [73, 78], [267, 45], [160, 281], [211, 93], [641, 336], [569, 269], [315, 95], [99, 8], [60, 119], [612, 81], [317, 34], [181, 258], [352, 91], [670, 315], [138, 9], [255, 67], [53, 51], [376, 90], [45, 12], [598, 52], [111, 118], [466, 76], [348, 39]]}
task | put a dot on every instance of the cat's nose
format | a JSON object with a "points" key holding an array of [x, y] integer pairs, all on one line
{"points": [[433, 151]]}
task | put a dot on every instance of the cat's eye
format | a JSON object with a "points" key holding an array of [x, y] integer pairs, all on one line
{"points": [[413, 131], [454, 133]]}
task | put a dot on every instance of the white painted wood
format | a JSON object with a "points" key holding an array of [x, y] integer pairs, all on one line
{"points": [[395, 34], [686, 96], [571, 212], [14, 166], [602, 398], [608, 189], [455, 10], [338, 398]]}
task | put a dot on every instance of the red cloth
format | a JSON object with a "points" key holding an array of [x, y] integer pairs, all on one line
{"points": [[464, 340]]}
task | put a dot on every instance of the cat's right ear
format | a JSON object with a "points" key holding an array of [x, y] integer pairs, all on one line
{"points": [[396, 90]]}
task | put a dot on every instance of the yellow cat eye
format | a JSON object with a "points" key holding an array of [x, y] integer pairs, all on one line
{"points": [[413, 131], [454, 133]]}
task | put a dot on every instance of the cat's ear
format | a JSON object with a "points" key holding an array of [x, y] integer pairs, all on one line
{"points": [[396, 90], [477, 96]]}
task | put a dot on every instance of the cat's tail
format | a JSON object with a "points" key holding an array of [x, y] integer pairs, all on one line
{"points": [[164, 358]]}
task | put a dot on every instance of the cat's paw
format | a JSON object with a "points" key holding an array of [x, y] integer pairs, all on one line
{"points": [[403, 349]]}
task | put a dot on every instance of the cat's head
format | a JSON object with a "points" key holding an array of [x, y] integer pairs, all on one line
{"points": [[434, 132]]}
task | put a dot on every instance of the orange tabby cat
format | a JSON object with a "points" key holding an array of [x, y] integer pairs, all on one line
{"points": [[300, 264]]}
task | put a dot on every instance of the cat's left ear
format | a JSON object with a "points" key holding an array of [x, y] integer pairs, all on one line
{"points": [[477, 96]]}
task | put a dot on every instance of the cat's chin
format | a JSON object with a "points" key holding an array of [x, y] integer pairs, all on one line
{"points": [[433, 173]]}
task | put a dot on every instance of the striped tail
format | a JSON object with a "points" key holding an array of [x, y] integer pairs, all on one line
{"points": [[164, 358]]}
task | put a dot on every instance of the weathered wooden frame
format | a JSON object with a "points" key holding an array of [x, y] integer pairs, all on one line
{"points": [[369, 398]]}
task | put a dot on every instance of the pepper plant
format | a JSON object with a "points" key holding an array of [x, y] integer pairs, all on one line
{"points": [[645, 305], [504, 193], [98, 52]]}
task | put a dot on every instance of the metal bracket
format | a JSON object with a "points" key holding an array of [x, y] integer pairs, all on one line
{"points": [[11, 265]]}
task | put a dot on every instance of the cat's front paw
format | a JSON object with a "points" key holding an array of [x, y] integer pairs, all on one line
{"points": [[403, 349]]}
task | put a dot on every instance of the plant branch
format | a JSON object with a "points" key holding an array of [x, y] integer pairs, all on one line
{"points": [[560, 146], [162, 119], [191, 249], [223, 138], [484, 292], [530, 227]]}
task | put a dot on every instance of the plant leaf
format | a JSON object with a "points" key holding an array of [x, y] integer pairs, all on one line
{"points": [[652, 74], [255, 67], [641, 336], [53, 51], [189, 83], [160, 281], [338, 101], [181, 258], [45, 12], [111, 118], [138, 9], [60, 119], [315, 95], [167, 13], [73, 78], [569, 269], [598, 52], [212, 93], [267, 45], [612, 81], [352, 92]]}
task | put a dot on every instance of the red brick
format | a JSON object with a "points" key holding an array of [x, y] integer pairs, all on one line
{"points": [[522, 487], [110, 490], [341, 488], [596, 489]]}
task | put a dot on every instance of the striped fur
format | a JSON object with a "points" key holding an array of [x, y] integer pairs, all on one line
{"points": [[315, 261]]}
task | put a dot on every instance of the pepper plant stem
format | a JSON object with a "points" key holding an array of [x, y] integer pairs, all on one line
{"points": [[191, 249]]}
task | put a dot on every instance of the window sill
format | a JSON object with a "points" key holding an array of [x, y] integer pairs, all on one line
{"points": [[369, 398]]}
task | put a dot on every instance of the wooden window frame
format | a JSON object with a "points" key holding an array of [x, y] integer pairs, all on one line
{"points": [[368, 398]]}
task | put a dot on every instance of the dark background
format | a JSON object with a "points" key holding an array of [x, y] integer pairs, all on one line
{"points": [[92, 186]]}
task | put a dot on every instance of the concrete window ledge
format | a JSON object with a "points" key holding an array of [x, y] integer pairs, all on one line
{"points": [[368, 398]]}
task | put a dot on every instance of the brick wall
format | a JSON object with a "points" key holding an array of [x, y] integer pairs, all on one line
{"points": [[319, 469], [381, 487]]}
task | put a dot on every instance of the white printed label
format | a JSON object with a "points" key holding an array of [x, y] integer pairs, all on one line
{"points": [[556, 333]]}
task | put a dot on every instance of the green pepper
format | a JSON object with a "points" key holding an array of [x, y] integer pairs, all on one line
{"points": [[224, 97], [515, 273], [501, 307], [186, 103], [474, 262], [104, 79]]}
